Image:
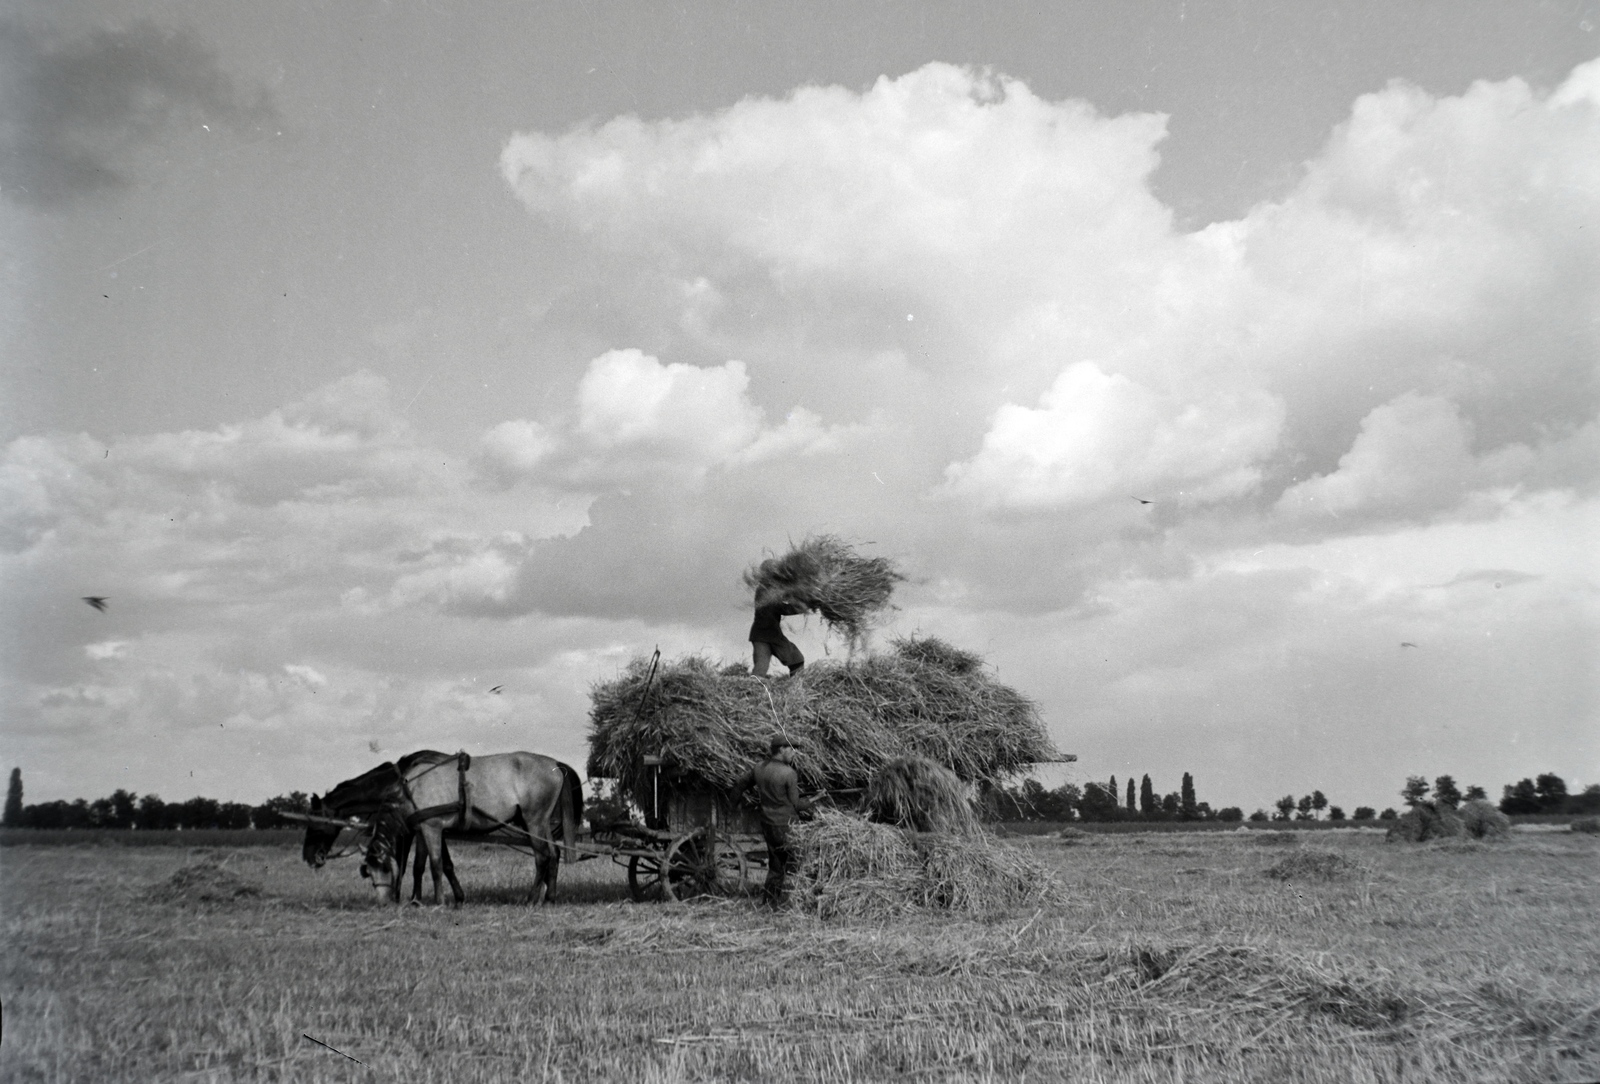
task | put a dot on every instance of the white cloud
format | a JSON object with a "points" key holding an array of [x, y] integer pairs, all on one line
{"points": [[309, 675], [1408, 339], [109, 649], [1096, 436], [638, 420], [1413, 456]]}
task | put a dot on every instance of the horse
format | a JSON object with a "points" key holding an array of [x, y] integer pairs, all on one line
{"points": [[368, 795], [384, 863], [510, 797]]}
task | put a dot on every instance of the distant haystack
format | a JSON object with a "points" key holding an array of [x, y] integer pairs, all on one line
{"points": [[1426, 821], [1482, 820]]}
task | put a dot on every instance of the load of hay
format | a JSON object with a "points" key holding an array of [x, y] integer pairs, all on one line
{"points": [[824, 573], [849, 866], [916, 793], [847, 721]]}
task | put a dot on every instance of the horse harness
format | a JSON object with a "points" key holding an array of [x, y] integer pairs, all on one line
{"points": [[462, 807]]}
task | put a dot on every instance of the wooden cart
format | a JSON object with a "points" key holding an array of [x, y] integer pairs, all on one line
{"points": [[697, 840]]}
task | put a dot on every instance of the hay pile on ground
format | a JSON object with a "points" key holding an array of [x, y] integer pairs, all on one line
{"points": [[1274, 838], [1427, 821], [1481, 820], [1586, 825], [1313, 865], [205, 881], [847, 721], [825, 574], [851, 867], [916, 793]]}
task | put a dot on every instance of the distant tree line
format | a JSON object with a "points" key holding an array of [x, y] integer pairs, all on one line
{"points": [[1031, 801], [124, 809]]}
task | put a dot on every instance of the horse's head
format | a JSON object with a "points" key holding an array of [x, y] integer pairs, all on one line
{"points": [[381, 863], [320, 838]]}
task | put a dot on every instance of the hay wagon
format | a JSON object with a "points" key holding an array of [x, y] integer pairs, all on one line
{"points": [[698, 839]]}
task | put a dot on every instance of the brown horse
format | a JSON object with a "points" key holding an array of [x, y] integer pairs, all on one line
{"points": [[509, 797], [384, 863], [367, 796]]}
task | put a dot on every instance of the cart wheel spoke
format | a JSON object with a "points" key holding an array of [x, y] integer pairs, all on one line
{"points": [[645, 882]]}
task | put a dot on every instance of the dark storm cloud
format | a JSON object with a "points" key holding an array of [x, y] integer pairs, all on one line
{"points": [[79, 109]]}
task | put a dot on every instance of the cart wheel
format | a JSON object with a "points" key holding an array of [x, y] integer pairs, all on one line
{"points": [[694, 870], [645, 882]]}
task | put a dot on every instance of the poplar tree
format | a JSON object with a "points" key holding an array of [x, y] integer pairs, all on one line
{"points": [[1131, 807], [13, 813], [1186, 802], [1147, 796]]}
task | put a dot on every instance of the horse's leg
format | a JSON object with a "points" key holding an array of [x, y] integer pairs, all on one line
{"points": [[552, 871], [431, 836], [402, 851], [450, 871], [536, 894], [416, 873]]}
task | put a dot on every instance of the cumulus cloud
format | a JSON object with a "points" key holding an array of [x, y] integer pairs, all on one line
{"points": [[1070, 346], [1413, 456], [638, 420], [967, 333], [1096, 436]]}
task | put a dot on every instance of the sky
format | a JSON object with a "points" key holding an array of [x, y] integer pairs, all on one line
{"points": [[1225, 374]]}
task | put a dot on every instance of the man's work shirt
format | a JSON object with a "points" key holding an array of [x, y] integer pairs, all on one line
{"points": [[778, 786], [767, 627]]}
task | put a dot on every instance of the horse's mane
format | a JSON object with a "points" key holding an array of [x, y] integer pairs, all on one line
{"points": [[429, 756], [377, 786]]}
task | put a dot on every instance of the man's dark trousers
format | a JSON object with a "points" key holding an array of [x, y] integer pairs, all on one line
{"points": [[778, 859]]}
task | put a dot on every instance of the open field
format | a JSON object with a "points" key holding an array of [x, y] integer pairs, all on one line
{"points": [[1175, 958]]}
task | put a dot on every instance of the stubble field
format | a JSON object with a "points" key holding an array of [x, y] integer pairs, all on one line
{"points": [[1174, 957]]}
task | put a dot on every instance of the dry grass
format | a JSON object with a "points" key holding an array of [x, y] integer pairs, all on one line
{"points": [[1166, 958], [846, 720], [826, 574], [1314, 865], [851, 867], [916, 793]]}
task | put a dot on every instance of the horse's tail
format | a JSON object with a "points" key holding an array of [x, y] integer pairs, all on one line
{"points": [[571, 809]]}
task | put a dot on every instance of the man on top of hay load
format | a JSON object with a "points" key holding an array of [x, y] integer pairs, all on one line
{"points": [[778, 786], [767, 638]]}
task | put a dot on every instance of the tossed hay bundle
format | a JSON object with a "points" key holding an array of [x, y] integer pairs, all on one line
{"points": [[916, 793], [847, 721], [851, 867], [827, 575]]}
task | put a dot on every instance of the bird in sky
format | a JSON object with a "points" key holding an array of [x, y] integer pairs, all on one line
{"points": [[97, 601], [497, 688], [1407, 643], [1141, 500]]}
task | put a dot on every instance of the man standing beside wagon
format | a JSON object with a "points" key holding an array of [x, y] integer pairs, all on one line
{"points": [[777, 785]]}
